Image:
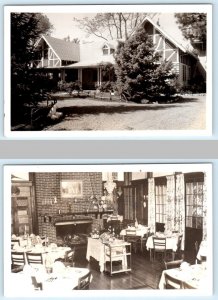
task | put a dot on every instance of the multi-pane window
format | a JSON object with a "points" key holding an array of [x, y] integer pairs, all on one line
{"points": [[160, 203], [194, 205]]}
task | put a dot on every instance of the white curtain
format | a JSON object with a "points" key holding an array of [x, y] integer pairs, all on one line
{"points": [[170, 203], [151, 204], [179, 222]]}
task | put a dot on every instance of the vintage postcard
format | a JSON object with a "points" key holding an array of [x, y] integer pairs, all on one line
{"points": [[133, 230], [108, 71]]}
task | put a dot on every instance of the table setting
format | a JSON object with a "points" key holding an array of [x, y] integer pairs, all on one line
{"points": [[194, 275]]}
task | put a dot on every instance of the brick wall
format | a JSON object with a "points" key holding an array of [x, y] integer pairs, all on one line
{"points": [[47, 191]]}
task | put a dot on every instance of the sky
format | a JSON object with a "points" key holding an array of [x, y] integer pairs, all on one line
{"points": [[65, 25]]}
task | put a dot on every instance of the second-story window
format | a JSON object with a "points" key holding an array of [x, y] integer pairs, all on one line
{"points": [[106, 50]]}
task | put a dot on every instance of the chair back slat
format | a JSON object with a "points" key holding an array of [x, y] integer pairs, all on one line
{"points": [[172, 282], [172, 264], [17, 258], [34, 258], [159, 243], [130, 232], [84, 282], [15, 243]]}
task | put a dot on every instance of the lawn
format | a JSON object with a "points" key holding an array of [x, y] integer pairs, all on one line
{"points": [[91, 114]]}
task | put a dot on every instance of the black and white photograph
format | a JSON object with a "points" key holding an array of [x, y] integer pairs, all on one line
{"points": [[127, 229], [108, 71]]}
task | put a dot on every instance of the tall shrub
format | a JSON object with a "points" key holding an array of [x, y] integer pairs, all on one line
{"points": [[140, 75]]}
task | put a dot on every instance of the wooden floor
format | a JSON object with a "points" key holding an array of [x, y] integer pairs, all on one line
{"points": [[144, 275]]}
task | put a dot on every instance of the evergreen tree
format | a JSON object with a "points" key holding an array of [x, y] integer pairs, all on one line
{"points": [[26, 28], [140, 75]]}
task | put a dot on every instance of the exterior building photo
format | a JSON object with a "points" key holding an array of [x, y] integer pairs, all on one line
{"points": [[107, 224], [136, 69], [69, 61]]}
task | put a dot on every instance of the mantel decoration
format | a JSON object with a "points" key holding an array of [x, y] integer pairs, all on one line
{"points": [[71, 188], [110, 188]]}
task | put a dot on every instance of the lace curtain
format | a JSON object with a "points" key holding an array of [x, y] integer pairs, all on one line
{"points": [[151, 204], [179, 220], [170, 203]]}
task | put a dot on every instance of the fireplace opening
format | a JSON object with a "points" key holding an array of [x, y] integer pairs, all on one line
{"points": [[73, 233]]}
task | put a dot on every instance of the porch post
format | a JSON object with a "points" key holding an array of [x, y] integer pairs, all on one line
{"points": [[63, 74], [80, 75], [99, 75]]}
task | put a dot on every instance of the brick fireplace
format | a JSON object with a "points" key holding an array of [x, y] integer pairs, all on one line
{"points": [[60, 215]]}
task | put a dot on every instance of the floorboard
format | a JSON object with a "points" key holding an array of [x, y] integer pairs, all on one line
{"points": [[144, 275]]}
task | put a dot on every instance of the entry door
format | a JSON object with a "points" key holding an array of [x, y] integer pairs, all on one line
{"points": [[194, 210], [23, 212], [140, 205], [89, 78], [135, 202]]}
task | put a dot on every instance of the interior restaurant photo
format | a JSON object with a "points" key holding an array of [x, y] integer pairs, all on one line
{"points": [[129, 229]]}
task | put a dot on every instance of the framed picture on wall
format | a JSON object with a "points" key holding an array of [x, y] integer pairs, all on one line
{"points": [[71, 188]]}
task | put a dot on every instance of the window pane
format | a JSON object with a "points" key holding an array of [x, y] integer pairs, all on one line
{"points": [[189, 210]]}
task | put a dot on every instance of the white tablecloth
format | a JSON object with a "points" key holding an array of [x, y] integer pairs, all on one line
{"points": [[53, 284], [141, 231], [202, 250], [194, 275], [171, 243], [47, 252], [100, 252], [95, 249]]}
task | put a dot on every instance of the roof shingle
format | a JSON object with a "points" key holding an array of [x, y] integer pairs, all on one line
{"points": [[65, 50]]}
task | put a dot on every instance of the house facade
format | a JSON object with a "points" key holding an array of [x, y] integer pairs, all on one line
{"points": [[70, 61]]}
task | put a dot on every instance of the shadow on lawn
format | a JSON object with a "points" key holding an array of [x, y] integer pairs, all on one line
{"points": [[96, 109], [81, 110]]}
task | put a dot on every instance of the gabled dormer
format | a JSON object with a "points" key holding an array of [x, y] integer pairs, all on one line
{"points": [[108, 49]]}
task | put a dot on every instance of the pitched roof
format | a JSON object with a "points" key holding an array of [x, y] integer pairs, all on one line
{"points": [[94, 62], [184, 48], [64, 50]]}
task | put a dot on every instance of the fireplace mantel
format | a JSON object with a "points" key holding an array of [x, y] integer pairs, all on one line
{"points": [[73, 222]]}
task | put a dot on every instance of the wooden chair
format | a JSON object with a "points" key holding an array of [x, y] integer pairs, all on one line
{"points": [[132, 238], [14, 242], [196, 251], [187, 286], [172, 264], [179, 253], [84, 282], [172, 283], [17, 261], [34, 258], [69, 258], [37, 285], [159, 247]]}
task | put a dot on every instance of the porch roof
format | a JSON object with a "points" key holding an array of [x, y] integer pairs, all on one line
{"points": [[92, 63]]}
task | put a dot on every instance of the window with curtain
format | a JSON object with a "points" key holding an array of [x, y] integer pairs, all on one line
{"points": [[194, 204], [160, 203]]}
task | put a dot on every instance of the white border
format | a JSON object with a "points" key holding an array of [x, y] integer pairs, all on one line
{"points": [[137, 134], [205, 167]]}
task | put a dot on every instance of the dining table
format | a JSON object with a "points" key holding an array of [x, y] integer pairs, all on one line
{"points": [[49, 253], [140, 230], [196, 276], [202, 250], [171, 242], [60, 282]]}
